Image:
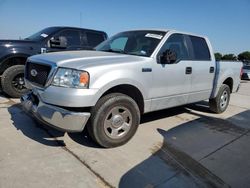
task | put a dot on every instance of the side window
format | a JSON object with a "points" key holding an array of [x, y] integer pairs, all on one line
{"points": [[176, 43], [94, 38], [72, 37], [200, 49], [119, 43]]}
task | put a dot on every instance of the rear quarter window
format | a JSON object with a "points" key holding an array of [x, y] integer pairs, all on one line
{"points": [[200, 49]]}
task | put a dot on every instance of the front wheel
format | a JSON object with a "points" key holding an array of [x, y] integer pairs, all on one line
{"points": [[114, 120], [220, 103], [13, 81]]}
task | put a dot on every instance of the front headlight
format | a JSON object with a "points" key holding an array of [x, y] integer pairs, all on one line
{"points": [[66, 77]]}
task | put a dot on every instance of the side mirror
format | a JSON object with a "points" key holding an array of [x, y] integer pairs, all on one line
{"points": [[60, 42], [168, 57]]}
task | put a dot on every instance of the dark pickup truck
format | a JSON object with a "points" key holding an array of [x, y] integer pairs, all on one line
{"points": [[13, 53]]}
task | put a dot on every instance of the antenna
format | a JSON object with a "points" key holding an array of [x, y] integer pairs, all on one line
{"points": [[80, 19]]}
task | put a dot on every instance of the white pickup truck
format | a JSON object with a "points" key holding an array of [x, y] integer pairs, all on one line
{"points": [[132, 73]]}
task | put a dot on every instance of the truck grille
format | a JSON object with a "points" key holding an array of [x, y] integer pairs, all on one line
{"points": [[37, 73]]}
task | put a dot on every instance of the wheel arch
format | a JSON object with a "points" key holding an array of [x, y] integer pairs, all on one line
{"points": [[229, 82], [13, 59], [130, 90]]}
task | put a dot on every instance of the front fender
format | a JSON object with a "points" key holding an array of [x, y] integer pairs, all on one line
{"points": [[10, 55], [106, 81]]}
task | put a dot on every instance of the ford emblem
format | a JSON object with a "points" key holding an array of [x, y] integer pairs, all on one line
{"points": [[33, 72]]}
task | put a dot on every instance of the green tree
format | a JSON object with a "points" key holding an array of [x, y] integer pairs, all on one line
{"points": [[229, 57], [244, 56], [218, 56]]}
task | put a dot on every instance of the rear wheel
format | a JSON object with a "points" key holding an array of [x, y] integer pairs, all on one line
{"points": [[114, 120], [13, 81], [220, 103]]}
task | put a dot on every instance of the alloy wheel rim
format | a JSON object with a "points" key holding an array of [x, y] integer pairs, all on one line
{"points": [[224, 99], [118, 122], [18, 82]]}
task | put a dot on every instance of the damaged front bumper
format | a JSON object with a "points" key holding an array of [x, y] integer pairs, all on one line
{"points": [[54, 116]]}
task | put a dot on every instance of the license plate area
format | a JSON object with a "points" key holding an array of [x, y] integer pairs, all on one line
{"points": [[34, 99]]}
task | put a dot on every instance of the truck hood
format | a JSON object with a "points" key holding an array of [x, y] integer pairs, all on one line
{"points": [[13, 42], [85, 59], [16, 44]]}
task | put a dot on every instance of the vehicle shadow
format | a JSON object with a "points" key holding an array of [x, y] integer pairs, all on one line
{"points": [[152, 116], [2, 94], [245, 80], [51, 137], [176, 161], [42, 133], [84, 139], [202, 106], [34, 130]]}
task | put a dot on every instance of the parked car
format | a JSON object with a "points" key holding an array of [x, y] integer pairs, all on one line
{"points": [[13, 53], [246, 72], [132, 73]]}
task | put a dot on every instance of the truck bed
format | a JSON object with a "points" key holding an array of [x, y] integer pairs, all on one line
{"points": [[224, 71]]}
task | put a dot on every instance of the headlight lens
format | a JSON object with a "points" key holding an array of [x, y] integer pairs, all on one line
{"points": [[66, 77]]}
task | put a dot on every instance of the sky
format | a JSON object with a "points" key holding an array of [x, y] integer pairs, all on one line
{"points": [[225, 22]]}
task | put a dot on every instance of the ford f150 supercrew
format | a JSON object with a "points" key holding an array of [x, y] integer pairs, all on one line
{"points": [[13, 53], [132, 73]]}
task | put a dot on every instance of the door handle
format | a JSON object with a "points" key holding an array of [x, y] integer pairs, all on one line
{"points": [[146, 70], [188, 70], [211, 70]]}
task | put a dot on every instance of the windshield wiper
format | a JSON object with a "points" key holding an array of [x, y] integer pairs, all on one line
{"points": [[115, 50], [136, 53]]}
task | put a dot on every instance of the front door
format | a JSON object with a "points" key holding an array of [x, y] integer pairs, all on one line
{"points": [[172, 82], [73, 41]]}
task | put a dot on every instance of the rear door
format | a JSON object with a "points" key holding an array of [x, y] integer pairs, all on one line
{"points": [[203, 69]]}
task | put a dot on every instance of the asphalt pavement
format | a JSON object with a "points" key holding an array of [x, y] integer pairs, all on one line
{"points": [[180, 147]]}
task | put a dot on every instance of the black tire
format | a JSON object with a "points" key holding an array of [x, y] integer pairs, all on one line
{"points": [[223, 95], [102, 113], [13, 81]]}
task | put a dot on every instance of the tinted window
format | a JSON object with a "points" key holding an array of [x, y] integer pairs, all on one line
{"points": [[72, 36], [176, 43], [200, 48], [94, 38]]}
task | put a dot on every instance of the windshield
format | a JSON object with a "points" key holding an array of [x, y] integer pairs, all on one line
{"points": [[141, 43], [42, 34]]}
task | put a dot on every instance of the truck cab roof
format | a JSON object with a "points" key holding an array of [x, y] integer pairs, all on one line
{"points": [[166, 30], [40, 35]]}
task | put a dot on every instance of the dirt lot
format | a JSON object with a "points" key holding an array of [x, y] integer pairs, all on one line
{"points": [[181, 147]]}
